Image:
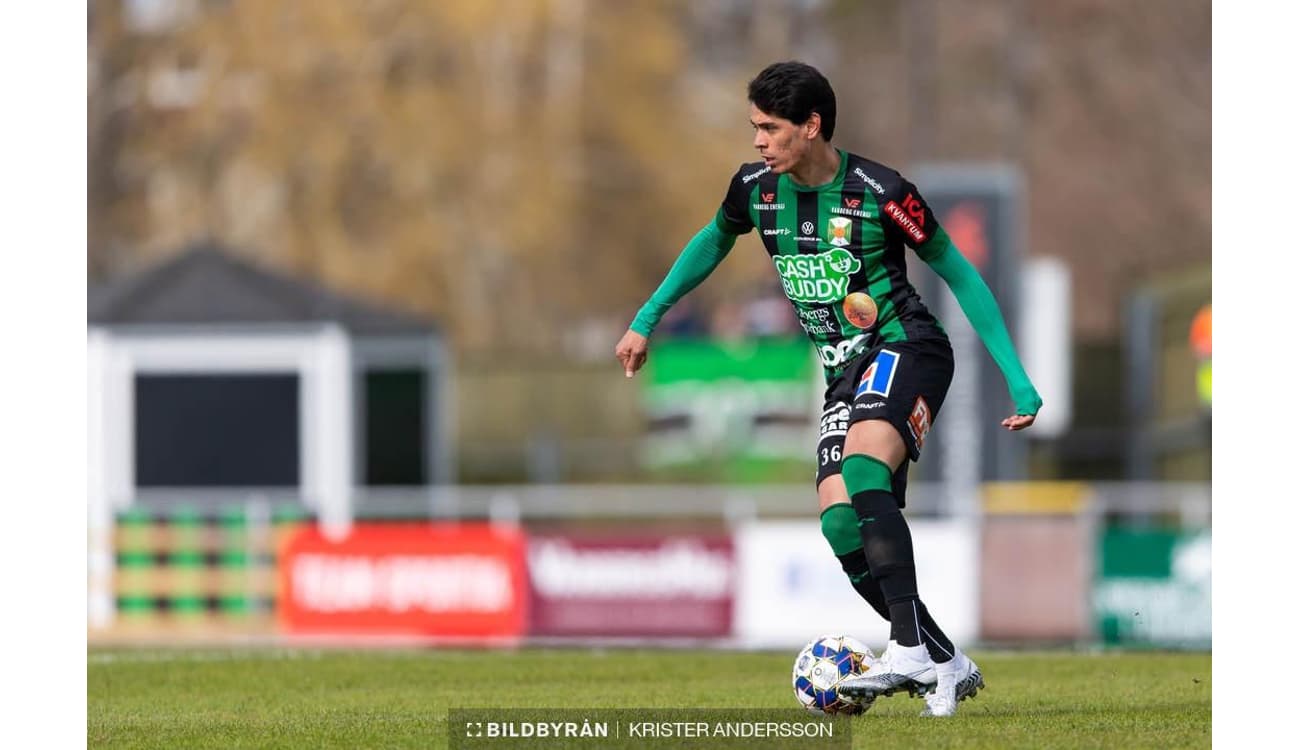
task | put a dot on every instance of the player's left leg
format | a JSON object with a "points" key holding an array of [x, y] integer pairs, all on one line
{"points": [[918, 651], [894, 405], [874, 452], [839, 525]]}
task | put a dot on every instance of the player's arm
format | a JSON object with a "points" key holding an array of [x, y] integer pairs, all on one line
{"points": [[697, 260], [986, 317], [922, 232]]}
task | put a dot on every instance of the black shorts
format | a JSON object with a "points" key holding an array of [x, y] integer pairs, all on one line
{"points": [[903, 383]]}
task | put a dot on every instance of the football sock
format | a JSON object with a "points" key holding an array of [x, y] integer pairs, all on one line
{"points": [[887, 544], [941, 649], [855, 567], [840, 527]]}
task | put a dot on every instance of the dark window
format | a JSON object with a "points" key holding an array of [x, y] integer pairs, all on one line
{"points": [[216, 430], [395, 427]]}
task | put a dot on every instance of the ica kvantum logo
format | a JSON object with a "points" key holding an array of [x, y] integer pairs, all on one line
{"points": [[822, 278]]}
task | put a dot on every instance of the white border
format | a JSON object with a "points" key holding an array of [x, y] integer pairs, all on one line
{"points": [[42, 306], [1255, 169]]}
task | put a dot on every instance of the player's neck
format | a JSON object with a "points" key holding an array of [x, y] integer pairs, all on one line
{"points": [[819, 167]]}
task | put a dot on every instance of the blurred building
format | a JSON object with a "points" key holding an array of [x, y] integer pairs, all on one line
{"points": [[212, 378]]}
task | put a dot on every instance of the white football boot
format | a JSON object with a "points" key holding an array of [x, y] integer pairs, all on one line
{"points": [[899, 668], [959, 679]]}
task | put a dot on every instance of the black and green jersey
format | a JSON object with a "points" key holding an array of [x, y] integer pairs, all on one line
{"points": [[848, 235]]}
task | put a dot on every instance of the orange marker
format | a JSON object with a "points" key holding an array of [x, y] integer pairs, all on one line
{"points": [[860, 309]]}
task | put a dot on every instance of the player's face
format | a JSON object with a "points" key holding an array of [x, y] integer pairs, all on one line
{"points": [[781, 143]]}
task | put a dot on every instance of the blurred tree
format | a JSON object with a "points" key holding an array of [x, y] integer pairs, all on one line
{"points": [[525, 171], [492, 164], [518, 167], [1104, 105]]}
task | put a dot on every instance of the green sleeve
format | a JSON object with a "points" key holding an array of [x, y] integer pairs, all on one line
{"points": [[982, 311], [698, 259]]}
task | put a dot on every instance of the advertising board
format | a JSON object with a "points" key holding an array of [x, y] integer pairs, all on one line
{"points": [[457, 580], [631, 585]]}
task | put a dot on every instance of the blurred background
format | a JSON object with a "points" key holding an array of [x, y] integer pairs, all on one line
{"points": [[357, 270]]}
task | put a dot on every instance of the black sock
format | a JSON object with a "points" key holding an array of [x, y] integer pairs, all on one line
{"points": [[855, 567], [905, 622], [936, 642], [887, 543], [887, 547]]}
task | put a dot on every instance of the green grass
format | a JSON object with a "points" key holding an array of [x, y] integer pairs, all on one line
{"points": [[399, 698]]}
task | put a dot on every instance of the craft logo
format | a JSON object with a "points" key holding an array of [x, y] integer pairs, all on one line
{"points": [[919, 421], [839, 231], [821, 278]]}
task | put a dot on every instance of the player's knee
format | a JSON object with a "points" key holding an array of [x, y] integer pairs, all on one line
{"points": [[840, 527]]}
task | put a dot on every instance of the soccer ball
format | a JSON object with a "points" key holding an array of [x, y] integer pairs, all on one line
{"points": [[822, 665]]}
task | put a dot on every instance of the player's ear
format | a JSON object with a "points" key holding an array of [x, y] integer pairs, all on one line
{"points": [[812, 127]]}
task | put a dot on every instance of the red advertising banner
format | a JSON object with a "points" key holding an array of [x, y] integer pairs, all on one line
{"points": [[443, 579], [661, 585]]}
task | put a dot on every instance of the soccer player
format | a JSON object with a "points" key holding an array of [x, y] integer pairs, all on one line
{"points": [[836, 226]]}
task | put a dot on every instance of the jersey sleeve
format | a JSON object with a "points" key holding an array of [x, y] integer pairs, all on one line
{"points": [[733, 214], [982, 311], [910, 218]]}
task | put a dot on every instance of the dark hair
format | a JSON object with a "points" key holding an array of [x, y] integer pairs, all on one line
{"points": [[793, 91]]}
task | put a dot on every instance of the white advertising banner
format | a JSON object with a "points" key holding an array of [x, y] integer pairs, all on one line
{"points": [[792, 588]]}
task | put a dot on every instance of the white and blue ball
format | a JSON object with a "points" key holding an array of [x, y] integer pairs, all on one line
{"points": [[820, 668]]}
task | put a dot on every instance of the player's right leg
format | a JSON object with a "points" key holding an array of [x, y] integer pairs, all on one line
{"points": [[839, 521], [839, 524]]}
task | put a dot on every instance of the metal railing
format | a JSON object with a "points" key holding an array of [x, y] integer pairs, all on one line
{"points": [[1190, 502]]}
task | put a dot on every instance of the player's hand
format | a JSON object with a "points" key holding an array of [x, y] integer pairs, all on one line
{"points": [[1018, 421], [632, 351]]}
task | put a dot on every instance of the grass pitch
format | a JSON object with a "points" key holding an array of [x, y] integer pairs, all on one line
{"points": [[399, 698]]}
